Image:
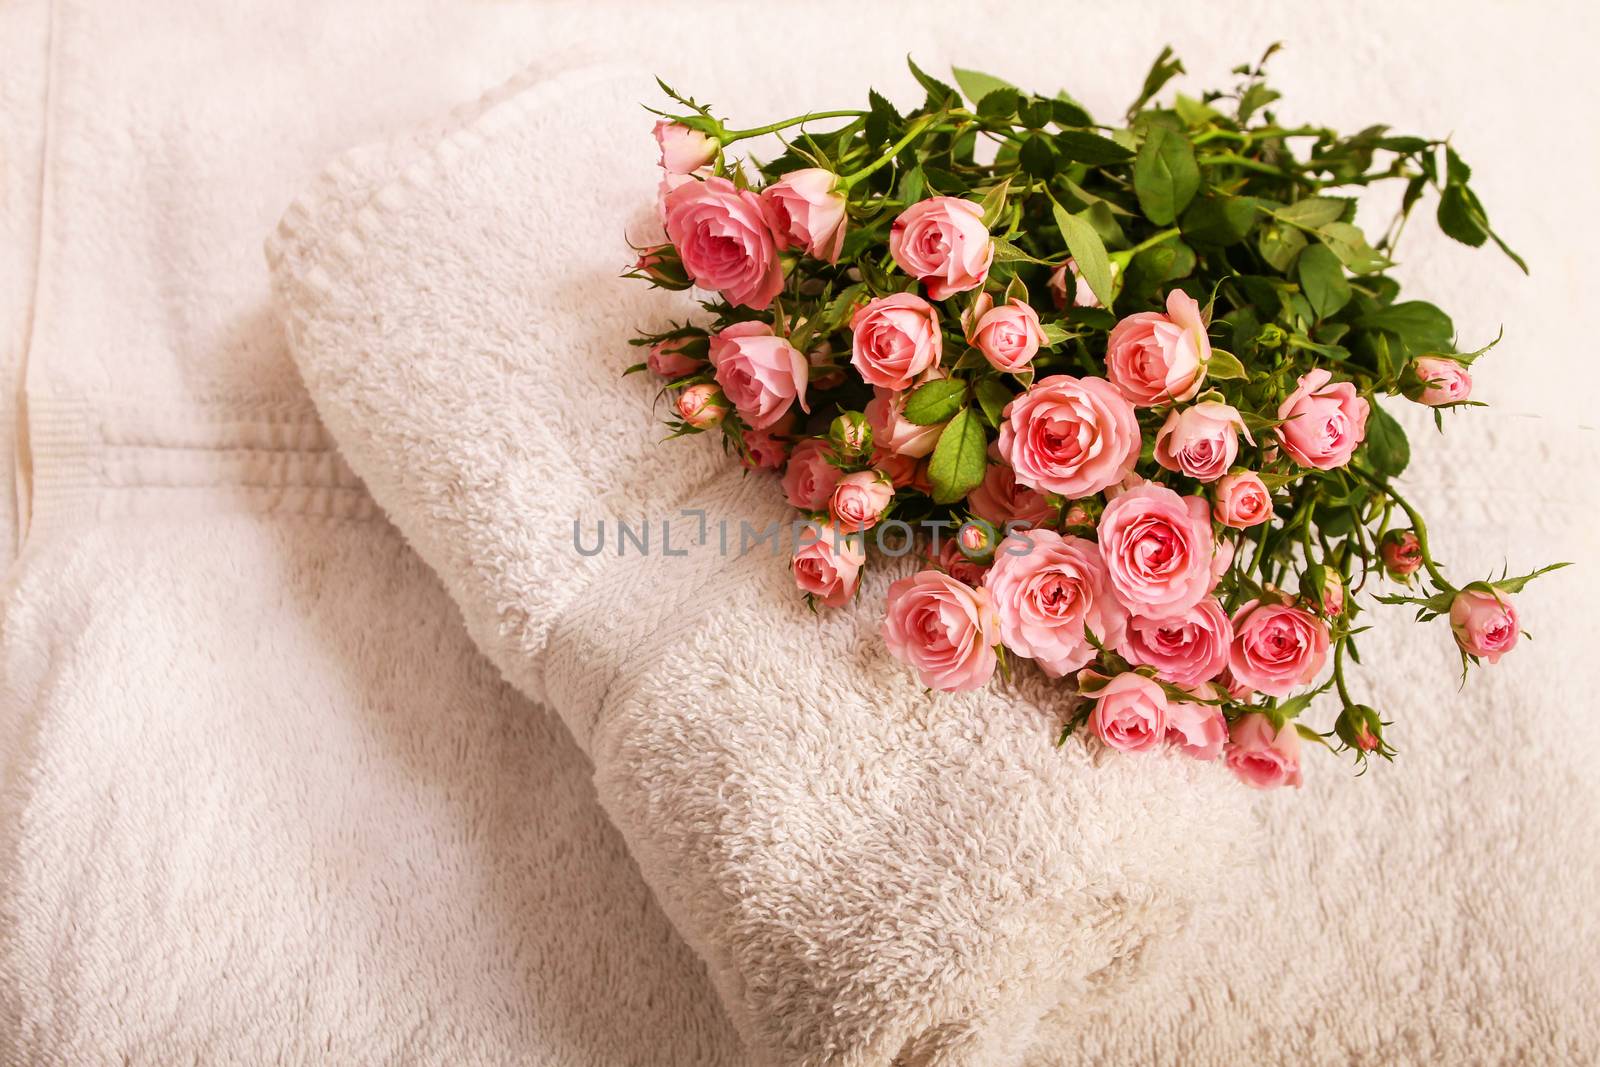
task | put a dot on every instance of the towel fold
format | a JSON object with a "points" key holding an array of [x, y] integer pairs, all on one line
{"points": [[872, 873]]}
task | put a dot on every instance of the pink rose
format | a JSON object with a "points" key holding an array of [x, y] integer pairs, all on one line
{"points": [[1261, 756], [943, 242], [723, 240], [1401, 552], [1130, 713], [764, 450], [762, 374], [1202, 440], [1444, 381], [1000, 500], [1484, 622], [1158, 549], [1155, 358], [660, 264], [958, 565], [806, 209], [894, 339], [900, 470], [669, 182], [1241, 500], [1071, 436], [1187, 648], [683, 150], [1009, 337], [702, 406], [1082, 295], [1323, 422], [809, 479], [890, 430], [859, 500], [1276, 647], [827, 564], [1047, 590], [669, 358], [1197, 729], [944, 629]]}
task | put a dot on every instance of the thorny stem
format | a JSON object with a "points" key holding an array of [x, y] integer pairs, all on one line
{"points": [[1417, 524]]}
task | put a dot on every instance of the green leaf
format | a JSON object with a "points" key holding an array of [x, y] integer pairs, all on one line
{"points": [[1165, 175], [1088, 251], [1313, 211], [939, 94], [1224, 365], [1000, 104], [1219, 220], [977, 85], [994, 203], [1350, 245], [959, 459], [935, 402], [1461, 216], [1161, 72], [1515, 585], [1054, 334], [1322, 280], [1036, 156], [1081, 146], [1421, 325], [1194, 112], [1387, 448], [1280, 246], [1065, 111], [993, 396]]}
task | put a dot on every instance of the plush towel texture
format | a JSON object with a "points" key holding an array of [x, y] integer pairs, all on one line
{"points": [[871, 873], [261, 801]]}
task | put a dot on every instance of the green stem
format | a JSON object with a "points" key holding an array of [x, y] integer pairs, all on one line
{"points": [[1417, 524], [1127, 254], [1338, 673], [917, 129], [729, 136]]}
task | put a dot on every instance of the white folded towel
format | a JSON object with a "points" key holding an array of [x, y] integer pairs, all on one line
{"points": [[872, 873]]}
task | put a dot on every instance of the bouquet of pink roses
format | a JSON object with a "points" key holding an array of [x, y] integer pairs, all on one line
{"points": [[1118, 383]]}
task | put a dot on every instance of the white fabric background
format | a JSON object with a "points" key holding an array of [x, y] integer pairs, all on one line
{"points": [[261, 800]]}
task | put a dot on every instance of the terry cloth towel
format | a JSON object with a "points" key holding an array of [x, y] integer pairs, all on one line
{"points": [[872, 874]]}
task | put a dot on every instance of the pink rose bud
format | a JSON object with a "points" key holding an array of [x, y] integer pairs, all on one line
{"points": [[1077, 516], [1009, 337], [722, 238], [763, 375], [683, 150], [1323, 587], [1323, 421], [894, 339], [827, 565], [1276, 647], [1484, 622], [1199, 730], [702, 406], [860, 499], [1401, 552], [851, 434], [806, 209], [1070, 436], [1082, 295], [1242, 500], [810, 477], [764, 450], [945, 629], [663, 267], [891, 430], [943, 243], [676, 356], [1360, 728], [1202, 440], [1156, 359], [1444, 381], [1261, 756], [976, 540], [1130, 713], [1048, 590]]}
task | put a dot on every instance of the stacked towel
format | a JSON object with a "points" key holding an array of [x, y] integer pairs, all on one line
{"points": [[869, 872]]}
